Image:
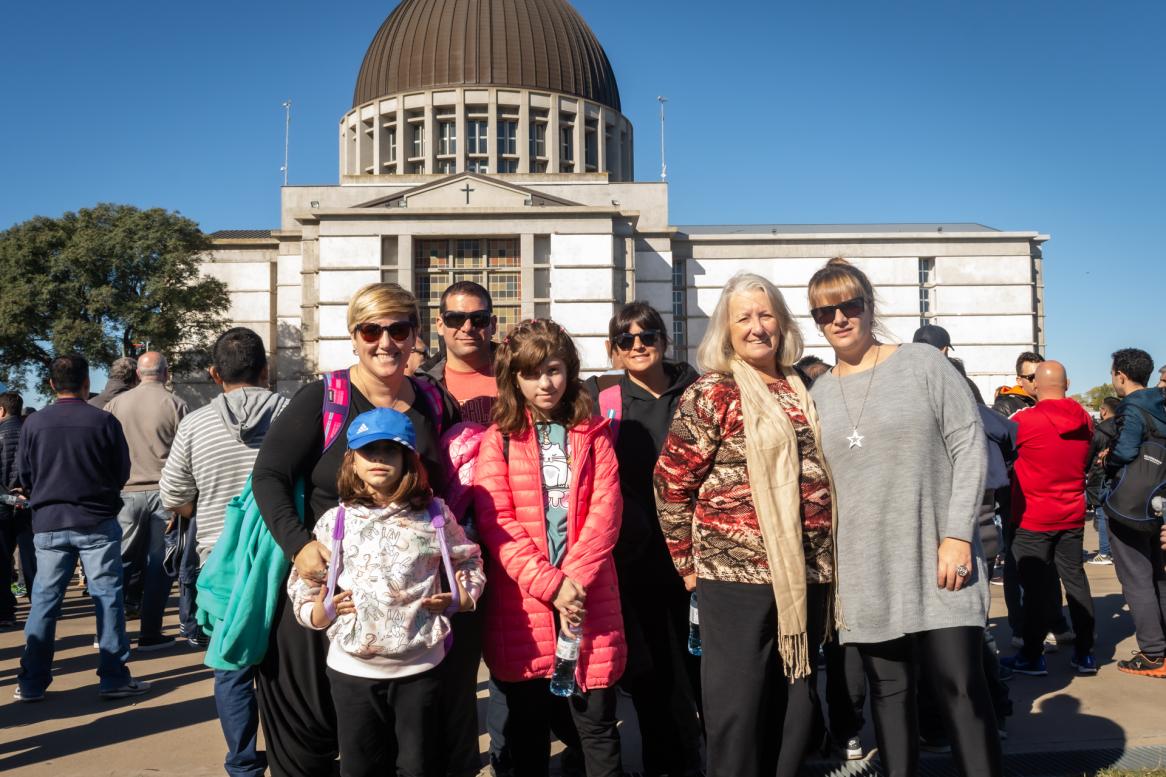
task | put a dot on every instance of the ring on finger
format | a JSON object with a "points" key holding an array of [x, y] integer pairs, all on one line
{"points": [[962, 571]]}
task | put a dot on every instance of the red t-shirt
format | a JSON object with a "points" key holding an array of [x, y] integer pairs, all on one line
{"points": [[1048, 483], [474, 391]]}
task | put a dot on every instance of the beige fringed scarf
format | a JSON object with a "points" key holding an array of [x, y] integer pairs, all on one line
{"points": [[771, 453]]}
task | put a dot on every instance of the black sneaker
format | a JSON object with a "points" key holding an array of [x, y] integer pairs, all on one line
{"points": [[132, 688], [934, 744], [198, 640], [150, 644]]}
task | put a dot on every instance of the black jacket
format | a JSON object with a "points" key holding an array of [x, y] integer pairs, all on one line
{"points": [[111, 390], [640, 552], [1104, 434], [1010, 400], [9, 439]]}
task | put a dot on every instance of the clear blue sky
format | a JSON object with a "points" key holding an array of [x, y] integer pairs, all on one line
{"points": [[1045, 115]]}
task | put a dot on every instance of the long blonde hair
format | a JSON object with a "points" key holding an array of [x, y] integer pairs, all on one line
{"points": [[715, 352]]}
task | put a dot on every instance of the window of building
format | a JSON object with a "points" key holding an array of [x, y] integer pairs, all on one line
{"points": [[508, 136], [926, 285], [475, 165], [566, 143], [476, 134], [389, 144], [446, 166], [446, 138], [590, 146], [416, 136], [679, 309], [539, 160], [493, 263]]}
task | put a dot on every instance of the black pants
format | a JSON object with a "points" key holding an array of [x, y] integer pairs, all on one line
{"points": [[952, 660], [459, 698], [1037, 553], [15, 535], [1137, 557], [845, 690], [388, 727], [660, 673], [1013, 598], [532, 711], [295, 701], [757, 722]]}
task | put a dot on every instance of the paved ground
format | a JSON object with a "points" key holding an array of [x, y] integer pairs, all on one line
{"points": [[173, 732]]}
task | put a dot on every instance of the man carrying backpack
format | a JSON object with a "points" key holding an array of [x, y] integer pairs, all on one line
{"points": [[1135, 461]]}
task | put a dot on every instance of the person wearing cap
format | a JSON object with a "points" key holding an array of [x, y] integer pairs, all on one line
{"points": [[937, 337], [383, 604], [295, 703]]}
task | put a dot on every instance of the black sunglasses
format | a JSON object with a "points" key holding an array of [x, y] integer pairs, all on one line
{"points": [[371, 333], [479, 319], [627, 340], [851, 308], [1029, 376]]}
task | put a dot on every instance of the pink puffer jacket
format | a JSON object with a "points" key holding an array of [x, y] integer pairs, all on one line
{"points": [[520, 626]]}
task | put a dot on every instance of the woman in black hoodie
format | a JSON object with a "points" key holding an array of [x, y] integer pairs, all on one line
{"points": [[661, 677]]}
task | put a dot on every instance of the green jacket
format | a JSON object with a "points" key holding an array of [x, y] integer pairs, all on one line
{"points": [[240, 585]]}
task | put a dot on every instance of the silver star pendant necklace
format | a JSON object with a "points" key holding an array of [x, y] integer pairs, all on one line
{"points": [[855, 439]]}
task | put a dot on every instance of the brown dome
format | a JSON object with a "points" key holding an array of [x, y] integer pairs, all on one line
{"points": [[530, 44]]}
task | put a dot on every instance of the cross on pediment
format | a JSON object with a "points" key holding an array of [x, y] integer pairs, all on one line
{"points": [[467, 190]]}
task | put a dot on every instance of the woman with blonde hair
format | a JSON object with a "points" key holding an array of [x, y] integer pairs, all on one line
{"points": [[905, 446], [295, 703], [745, 505]]}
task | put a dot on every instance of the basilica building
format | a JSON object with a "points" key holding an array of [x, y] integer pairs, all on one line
{"points": [[486, 142]]}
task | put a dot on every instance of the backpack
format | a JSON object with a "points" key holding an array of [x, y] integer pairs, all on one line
{"points": [[242, 580], [1128, 500]]}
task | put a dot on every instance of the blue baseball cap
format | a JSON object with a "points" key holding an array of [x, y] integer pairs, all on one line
{"points": [[381, 423]]}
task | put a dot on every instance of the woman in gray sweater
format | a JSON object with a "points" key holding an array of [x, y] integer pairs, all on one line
{"points": [[905, 446]]}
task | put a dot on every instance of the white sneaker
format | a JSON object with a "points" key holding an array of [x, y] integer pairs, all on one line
{"points": [[1101, 559]]}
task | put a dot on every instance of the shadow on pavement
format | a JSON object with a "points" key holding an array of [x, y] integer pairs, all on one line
{"points": [[120, 720]]}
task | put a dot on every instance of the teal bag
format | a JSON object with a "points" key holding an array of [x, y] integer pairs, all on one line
{"points": [[241, 583]]}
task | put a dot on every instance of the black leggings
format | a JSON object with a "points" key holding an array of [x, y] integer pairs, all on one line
{"points": [[952, 660]]}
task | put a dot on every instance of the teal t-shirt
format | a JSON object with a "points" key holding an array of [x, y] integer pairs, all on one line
{"points": [[554, 459]]}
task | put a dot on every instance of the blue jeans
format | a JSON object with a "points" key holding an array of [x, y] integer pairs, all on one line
{"points": [[239, 718], [57, 552], [143, 523], [1102, 523], [187, 578]]}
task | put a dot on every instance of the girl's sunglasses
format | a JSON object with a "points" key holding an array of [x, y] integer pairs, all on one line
{"points": [[851, 308], [371, 333], [627, 340], [479, 319]]}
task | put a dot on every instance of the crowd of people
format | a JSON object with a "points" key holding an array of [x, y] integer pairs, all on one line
{"points": [[348, 558]]}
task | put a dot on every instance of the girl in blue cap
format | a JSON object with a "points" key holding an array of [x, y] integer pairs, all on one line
{"points": [[395, 549]]}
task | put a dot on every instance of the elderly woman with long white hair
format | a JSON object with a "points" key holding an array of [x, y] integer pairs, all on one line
{"points": [[745, 504]]}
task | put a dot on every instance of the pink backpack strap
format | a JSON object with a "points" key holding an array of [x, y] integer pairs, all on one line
{"points": [[337, 395], [335, 564], [611, 407], [433, 398]]}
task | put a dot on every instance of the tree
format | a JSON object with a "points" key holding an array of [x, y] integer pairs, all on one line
{"points": [[1093, 398], [105, 282]]}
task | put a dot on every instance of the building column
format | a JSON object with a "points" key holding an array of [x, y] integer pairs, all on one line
{"points": [[526, 276]]}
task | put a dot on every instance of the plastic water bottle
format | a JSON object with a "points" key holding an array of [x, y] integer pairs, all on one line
{"points": [[693, 627], [566, 658]]}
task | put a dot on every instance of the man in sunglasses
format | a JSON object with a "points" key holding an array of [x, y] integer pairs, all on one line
{"points": [[465, 369], [1010, 399]]}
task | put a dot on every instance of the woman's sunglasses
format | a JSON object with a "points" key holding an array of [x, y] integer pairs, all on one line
{"points": [[851, 308], [627, 340], [479, 319], [371, 333]]}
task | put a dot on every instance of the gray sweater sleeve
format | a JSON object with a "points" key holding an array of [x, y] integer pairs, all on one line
{"points": [[963, 435]]}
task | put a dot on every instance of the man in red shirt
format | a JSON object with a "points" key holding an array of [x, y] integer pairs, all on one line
{"points": [[1048, 504], [466, 323]]}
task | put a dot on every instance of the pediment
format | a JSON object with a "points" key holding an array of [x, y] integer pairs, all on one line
{"points": [[468, 190]]}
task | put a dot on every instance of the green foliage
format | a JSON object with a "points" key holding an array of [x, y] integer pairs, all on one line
{"points": [[1093, 398], [105, 282]]}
